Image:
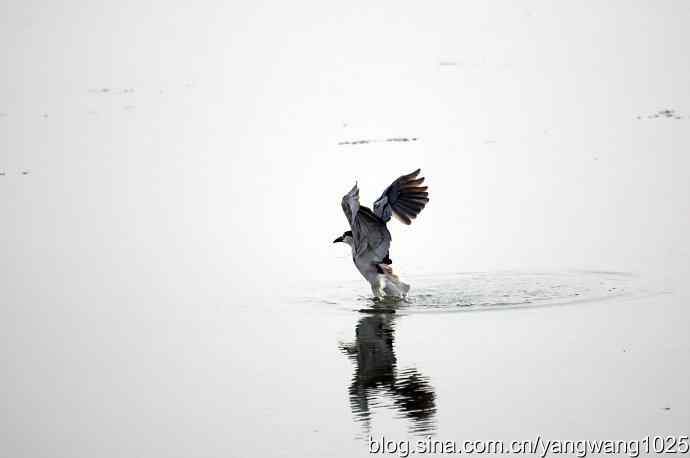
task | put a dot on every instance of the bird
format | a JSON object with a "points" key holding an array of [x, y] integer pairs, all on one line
{"points": [[369, 237]]}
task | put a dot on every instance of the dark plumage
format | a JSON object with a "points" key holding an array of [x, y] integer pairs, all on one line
{"points": [[369, 237], [404, 198]]}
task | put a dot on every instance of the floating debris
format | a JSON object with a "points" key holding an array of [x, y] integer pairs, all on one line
{"points": [[666, 113], [666, 408], [356, 142], [387, 140], [25, 172], [109, 90], [401, 139]]}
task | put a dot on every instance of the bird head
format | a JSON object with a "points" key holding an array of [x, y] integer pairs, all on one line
{"points": [[345, 238]]}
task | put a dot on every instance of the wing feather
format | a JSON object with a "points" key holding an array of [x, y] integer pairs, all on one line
{"points": [[350, 203], [404, 198]]}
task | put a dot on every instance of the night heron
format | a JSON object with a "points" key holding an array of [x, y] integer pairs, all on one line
{"points": [[369, 238]]}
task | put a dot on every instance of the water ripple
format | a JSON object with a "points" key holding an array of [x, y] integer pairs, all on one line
{"points": [[463, 292]]}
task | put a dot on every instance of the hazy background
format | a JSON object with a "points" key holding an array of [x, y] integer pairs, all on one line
{"points": [[186, 154]]}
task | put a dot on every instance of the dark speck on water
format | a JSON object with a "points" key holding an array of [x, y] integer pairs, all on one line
{"points": [[665, 113]]}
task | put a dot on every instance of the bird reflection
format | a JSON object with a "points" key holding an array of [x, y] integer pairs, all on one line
{"points": [[377, 380]]}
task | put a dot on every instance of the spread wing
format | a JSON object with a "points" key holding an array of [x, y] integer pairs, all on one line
{"points": [[404, 198], [369, 232], [350, 203]]}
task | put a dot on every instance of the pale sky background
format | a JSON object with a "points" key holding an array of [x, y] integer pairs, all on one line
{"points": [[209, 168]]}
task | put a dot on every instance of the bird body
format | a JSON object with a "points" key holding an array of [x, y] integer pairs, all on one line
{"points": [[384, 283], [369, 237]]}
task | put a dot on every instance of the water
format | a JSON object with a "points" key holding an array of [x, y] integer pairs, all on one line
{"points": [[377, 382], [564, 355], [380, 385], [165, 186], [465, 292]]}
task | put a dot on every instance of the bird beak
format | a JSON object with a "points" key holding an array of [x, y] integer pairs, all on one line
{"points": [[339, 239]]}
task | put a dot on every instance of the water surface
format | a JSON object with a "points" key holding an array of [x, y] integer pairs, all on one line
{"points": [[381, 386]]}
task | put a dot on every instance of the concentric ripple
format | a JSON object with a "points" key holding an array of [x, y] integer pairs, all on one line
{"points": [[491, 291]]}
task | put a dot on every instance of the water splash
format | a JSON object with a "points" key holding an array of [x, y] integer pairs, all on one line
{"points": [[464, 292]]}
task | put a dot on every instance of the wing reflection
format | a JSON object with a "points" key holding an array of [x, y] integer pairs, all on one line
{"points": [[377, 380]]}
